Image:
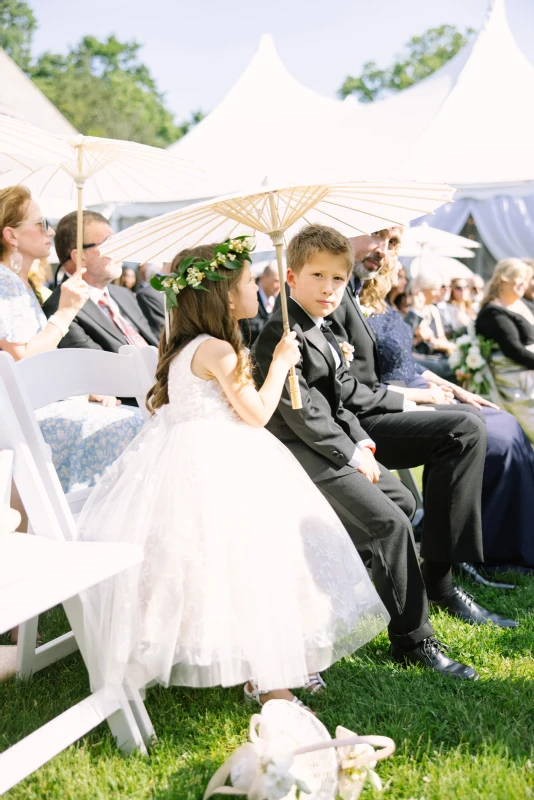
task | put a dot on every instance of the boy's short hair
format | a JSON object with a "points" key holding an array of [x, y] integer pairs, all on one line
{"points": [[315, 239]]}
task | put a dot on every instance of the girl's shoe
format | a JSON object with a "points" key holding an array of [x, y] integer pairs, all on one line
{"points": [[254, 695], [315, 684]]}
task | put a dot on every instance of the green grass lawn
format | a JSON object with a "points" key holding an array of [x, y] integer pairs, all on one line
{"points": [[454, 739]]}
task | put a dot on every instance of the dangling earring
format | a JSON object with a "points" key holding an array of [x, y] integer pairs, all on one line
{"points": [[15, 261]]}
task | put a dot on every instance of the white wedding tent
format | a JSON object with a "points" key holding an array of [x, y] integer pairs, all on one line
{"points": [[20, 98], [470, 124]]}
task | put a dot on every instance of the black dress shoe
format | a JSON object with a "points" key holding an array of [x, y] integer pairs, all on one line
{"points": [[462, 605], [429, 653]]}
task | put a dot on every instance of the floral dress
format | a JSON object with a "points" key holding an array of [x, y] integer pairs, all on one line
{"points": [[84, 437]]}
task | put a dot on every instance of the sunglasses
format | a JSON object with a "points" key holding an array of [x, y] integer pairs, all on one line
{"points": [[461, 287], [43, 222]]}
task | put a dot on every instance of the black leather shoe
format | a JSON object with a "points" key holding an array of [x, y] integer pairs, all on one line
{"points": [[429, 653], [462, 605]]}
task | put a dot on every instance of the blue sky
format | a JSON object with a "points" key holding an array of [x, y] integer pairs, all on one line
{"points": [[197, 49]]}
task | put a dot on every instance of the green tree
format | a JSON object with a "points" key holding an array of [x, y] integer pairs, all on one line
{"points": [[104, 89], [17, 24], [425, 54]]}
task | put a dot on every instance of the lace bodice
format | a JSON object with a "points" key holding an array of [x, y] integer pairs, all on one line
{"points": [[394, 340], [191, 398]]}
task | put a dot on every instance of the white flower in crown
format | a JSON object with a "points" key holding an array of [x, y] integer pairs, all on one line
{"points": [[231, 256], [348, 351], [177, 286], [194, 276], [220, 258]]}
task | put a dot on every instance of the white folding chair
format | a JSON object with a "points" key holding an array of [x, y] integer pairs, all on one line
{"points": [[121, 705], [31, 384]]}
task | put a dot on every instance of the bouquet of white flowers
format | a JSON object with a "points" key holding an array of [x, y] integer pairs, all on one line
{"points": [[469, 362]]}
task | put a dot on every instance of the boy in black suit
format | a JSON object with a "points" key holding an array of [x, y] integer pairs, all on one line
{"points": [[334, 437]]}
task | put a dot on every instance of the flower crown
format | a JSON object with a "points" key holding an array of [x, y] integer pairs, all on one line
{"points": [[192, 272]]}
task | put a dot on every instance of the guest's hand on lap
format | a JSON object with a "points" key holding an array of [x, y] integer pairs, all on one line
{"points": [[106, 400], [369, 466], [440, 395], [472, 399]]}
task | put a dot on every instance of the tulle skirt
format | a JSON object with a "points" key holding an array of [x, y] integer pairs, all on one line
{"points": [[247, 574]]}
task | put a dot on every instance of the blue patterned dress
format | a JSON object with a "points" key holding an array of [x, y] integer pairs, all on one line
{"points": [[508, 486], [84, 437]]}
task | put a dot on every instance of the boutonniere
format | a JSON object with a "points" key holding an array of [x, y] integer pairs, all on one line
{"points": [[348, 351], [366, 311]]}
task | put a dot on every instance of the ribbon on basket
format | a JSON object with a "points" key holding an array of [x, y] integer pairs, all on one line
{"points": [[292, 755]]}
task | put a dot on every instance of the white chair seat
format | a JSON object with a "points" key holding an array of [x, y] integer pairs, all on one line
{"points": [[37, 574]]}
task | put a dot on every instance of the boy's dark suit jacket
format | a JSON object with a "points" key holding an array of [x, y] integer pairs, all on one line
{"points": [[92, 328], [324, 433], [349, 324]]}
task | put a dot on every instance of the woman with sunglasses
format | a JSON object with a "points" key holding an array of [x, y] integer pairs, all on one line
{"points": [[84, 437], [459, 311]]}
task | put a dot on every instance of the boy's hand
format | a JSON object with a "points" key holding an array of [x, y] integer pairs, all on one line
{"points": [[369, 466]]}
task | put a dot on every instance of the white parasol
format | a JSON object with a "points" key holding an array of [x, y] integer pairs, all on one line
{"points": [[96, 170], [276, 212]]}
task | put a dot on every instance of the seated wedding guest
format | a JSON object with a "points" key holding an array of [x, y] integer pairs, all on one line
{"points": [[401, 287], [508, 321], [150, 301], [84, 437], [128, 279], [508, 481], [403, 303], [343, 422], [224, 595], [111, 317], [528, 297], [477, 284], [39, 276], [430, 340], [458, 312], [268, 291]]}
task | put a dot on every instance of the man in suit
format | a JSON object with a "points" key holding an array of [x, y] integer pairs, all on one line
{"points": [[396, 436], [268, 291], [111, 317], [334, 436]]}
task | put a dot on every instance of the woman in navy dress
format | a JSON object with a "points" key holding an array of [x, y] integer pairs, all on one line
{"points": [[508, 488]]}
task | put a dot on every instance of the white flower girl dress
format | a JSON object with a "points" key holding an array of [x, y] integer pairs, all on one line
{"points": [[247, 574]]}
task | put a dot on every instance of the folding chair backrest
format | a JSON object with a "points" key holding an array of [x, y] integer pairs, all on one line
{"points": [[6, 470], [58, 374], [146, 361], [36, 497]]}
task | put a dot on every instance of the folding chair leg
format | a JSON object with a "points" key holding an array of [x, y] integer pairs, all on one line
{"points": [[144, 723], [123, 725], [408, 479], [26, 648]]}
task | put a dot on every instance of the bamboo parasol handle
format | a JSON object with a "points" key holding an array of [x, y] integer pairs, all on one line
{"points": [[294, 388], [278, 241]]}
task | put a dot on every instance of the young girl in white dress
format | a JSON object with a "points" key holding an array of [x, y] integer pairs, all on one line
{"points": [[233, 588]]}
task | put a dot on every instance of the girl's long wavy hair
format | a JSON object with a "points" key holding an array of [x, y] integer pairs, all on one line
{"points": [[199, 312]]}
